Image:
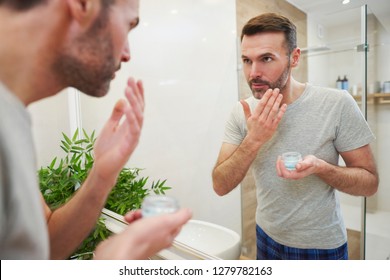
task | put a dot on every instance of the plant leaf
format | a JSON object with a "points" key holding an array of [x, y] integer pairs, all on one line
{"points": [[53, 162], [75, 135], [67, 139]]}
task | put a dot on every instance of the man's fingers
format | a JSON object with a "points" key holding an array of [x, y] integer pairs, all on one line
{"points": [[132, 216], [117, 112], [278, 170], [140, 96], [269, 105], [245, 107], [135, 95], [138, 89], [262, 103], [280, 113], [135, 112]]}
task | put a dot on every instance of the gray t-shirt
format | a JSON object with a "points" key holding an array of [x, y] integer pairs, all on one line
{"points": [[304, 213], [23, 229]]}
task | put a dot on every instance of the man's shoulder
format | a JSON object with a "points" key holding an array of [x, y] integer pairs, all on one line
{"points": [[329, 92]]}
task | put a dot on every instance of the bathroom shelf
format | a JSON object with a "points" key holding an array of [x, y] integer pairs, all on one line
{"points": [[375, 98]]}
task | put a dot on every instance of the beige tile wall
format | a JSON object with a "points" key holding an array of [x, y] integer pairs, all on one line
{"points": [[247, 9]]}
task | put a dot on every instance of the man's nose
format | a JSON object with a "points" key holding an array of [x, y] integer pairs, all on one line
{"points": [[255, 71], [126, 53]]}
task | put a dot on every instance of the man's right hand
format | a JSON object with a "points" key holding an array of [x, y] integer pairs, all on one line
{"points": [[264, 120], [144, 237]]}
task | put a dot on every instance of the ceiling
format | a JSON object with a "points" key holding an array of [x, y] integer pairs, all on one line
{"points": [[325, 10]]}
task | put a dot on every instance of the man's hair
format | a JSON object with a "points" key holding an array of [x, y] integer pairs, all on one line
{"points": [[271, 22], [22, 5]]}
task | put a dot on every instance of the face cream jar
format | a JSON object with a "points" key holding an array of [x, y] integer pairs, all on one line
{"points": [[154, 205], [290, 159]]}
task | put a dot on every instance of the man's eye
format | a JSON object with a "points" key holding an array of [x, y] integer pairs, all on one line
{"points": [[246, 61], [267, 59]]}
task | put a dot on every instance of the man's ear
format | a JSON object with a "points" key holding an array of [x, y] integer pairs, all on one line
{"points": [[84, 11], [296, 54]]}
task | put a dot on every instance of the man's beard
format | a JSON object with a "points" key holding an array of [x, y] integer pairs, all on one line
{"points": [[88, 65], [280, 83], [92, 78]]}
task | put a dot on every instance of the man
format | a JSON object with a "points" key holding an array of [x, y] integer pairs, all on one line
{"points": [[298, 213], [46, 46]]}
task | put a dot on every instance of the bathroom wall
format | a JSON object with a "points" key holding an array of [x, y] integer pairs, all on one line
{"points": [[246, 9], [185, 53]]}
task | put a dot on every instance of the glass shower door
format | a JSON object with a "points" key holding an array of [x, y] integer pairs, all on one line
{"points": [[337, 57], [376, 214]]}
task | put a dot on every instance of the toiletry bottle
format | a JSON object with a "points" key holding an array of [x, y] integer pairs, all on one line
{"points": [[345, 83], [386, 87], [339, 84]]}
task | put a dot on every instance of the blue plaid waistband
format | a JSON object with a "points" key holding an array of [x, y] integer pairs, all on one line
{"points": [[269, 249]]}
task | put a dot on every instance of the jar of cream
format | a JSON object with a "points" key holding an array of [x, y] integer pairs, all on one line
{"points": [[154, 205], [290, 159]]}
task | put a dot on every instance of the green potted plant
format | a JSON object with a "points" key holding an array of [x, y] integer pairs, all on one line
{"points": [[62, 178]]}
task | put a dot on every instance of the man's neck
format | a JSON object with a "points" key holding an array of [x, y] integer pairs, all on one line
{"points": [[24, 59], [292, 91]]}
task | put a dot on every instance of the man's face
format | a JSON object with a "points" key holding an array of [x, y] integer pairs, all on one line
{"points": [[90, 63], [266, 63]]}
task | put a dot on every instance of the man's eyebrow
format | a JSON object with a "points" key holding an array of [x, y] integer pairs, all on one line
{"points": [[260, 55], [266, 54]]}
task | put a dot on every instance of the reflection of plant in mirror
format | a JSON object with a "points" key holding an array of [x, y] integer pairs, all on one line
{"points": [[59, 182]]}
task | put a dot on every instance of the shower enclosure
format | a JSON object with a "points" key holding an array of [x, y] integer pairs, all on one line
{"points": [[353, 46]]}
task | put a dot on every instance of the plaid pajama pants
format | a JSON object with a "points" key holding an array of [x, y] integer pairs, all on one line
{"points": [[268, 249]]}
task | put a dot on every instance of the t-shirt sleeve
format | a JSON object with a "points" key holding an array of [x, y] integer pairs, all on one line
{"points": [[235, 128], [353, 130]]}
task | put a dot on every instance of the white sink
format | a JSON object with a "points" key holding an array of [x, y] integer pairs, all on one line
{"points": [[211, 239], [197, 240]]}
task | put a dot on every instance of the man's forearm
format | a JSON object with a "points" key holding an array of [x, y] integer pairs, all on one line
{"points": [[351, 180], [230, 172], [71, 224]]}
